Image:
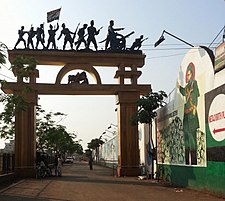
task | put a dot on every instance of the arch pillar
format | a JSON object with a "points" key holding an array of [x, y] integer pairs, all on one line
{"points": [[25, 139], [128, 147]]}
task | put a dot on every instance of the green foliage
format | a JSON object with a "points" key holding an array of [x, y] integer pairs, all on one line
{"points": [[54, 137], [23, 66], [95, 143], [3, 49], [12, 105], [147, 107]]}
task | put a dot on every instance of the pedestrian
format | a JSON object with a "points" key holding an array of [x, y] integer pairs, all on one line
{"points": [[56, 165], [91, 162], [59, 167]]}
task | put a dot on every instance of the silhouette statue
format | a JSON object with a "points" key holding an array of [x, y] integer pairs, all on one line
{"points": [[31, 34], [81, 34], [67, 33], [21, 33], [52, 33], [137, 43], [92, 31], [40, 35], [79, 78], [112, 34]]}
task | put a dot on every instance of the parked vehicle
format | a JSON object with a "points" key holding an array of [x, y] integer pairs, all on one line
{"points": [[69, 159]]}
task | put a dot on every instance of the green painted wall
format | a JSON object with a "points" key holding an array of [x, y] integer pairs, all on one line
{"points": [[210, 178]]}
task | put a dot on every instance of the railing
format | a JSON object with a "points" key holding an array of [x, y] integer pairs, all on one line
{"points": [[7, 163]]}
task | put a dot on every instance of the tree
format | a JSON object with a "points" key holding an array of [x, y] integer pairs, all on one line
{"points": [[50, 135], [147, 111], [14, 103], [147, 107], [94, 145], [3, 49]]}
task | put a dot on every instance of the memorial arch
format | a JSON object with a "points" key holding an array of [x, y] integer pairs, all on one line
{"points": [[127, 65]]}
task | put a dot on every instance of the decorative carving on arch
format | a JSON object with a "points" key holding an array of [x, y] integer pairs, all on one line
{"points": [[86, 67]]}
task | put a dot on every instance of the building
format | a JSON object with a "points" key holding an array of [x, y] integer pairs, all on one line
{"points": [[191, 127]]}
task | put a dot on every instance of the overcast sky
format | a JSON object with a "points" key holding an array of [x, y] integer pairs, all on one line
{"points": [[196, 21]]}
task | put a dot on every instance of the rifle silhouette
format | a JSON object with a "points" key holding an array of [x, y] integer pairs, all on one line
{"points": [[126, 36], [75, 33]]}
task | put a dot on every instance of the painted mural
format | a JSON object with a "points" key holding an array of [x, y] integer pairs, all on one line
{"points": [[181, 135]]}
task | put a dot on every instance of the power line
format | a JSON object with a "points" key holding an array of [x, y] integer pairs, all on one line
{"points": [[8, 77], [217, 36]]}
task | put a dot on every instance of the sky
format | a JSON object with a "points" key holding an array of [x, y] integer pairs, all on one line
{"points": [[197, 22]]}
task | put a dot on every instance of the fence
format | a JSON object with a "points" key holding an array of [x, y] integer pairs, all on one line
{"points": [[7, 163]]}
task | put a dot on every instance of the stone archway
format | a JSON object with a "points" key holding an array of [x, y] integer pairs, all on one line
{"points": [[86, 67], [126, 97]]}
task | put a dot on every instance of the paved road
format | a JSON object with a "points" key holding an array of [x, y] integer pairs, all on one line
{"points": [[78, 183]]}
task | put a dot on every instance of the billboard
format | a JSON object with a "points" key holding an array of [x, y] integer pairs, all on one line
{"points": [[181, 132], [220, 57]]}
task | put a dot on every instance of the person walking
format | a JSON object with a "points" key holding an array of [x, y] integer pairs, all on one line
{"points": [[59, 167], [56, 165], [90, 162]]}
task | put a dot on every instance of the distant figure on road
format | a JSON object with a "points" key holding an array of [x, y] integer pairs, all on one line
{"points": [[90, 162], [56, 165], [59, 168]]}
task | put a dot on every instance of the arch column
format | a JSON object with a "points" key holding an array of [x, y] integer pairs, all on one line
{"points": [[25, 139], [128, 147]]}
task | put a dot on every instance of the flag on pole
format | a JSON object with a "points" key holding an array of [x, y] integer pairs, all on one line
{"points": [[53, 15]]}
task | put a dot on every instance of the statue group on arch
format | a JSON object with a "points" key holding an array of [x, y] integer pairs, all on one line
{"points": [[86, 36]]}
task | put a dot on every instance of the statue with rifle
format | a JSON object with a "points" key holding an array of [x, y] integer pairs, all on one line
{"points": [[92, 32], [137, 43], [81, 34]]}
